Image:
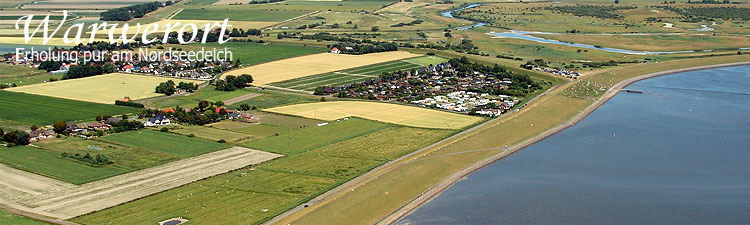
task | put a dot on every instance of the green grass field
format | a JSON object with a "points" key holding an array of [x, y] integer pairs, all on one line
{"points": [[253, 195], [49, 163], [10, 218], [43, 110], [22, 75], [274, 98], [254, 130], [201, 2], [235, 14], [255, 53], [359, 74], [172, 144], [210, 133], [313, 137]]}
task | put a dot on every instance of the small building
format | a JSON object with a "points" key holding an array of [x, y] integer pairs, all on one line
{"points": [[234, 115], [335, 50], [40, 134], [158, 120]]}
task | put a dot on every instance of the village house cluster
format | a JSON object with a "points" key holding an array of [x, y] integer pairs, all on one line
{"points": [[439, 86]]}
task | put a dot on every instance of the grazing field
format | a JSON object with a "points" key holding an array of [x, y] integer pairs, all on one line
{"points": [[305, 139], [43, 110], [385, 112], [100, 89], [210, 133], [22, 75], [303, 66], [178, 145], [358, 74], [254, 195], [236, 14]]}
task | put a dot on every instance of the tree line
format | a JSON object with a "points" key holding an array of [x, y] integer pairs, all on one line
{"points": [[130, 12]]}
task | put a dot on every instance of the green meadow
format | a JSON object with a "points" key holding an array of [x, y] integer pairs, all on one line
{"points": [[43, 110]]}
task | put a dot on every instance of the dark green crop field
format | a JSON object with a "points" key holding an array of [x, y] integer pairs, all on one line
{"points": [[43, 110]]}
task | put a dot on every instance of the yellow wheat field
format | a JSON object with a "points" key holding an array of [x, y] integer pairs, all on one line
{"points": [[385, 112], [100, 89], [303, 66]]}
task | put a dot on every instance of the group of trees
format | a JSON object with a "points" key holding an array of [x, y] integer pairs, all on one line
{"points": [[169, 87], [242, 33], [696, 14], [96, 161], [80, 71], [130, 12], [231, 83], [15, 137], [412, 23], [361, 49], [50, 65]]}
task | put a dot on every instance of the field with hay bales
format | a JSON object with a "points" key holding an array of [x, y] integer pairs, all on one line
{"points": [[103, 89], [303, 66], [384, 112]]}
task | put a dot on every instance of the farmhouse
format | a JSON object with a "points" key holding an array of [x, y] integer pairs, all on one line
{"points": [[158, 120], [40, 134], [335, 50]]}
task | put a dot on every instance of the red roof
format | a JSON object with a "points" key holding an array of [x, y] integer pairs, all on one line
{"points": [[168, 110], [220, 108]]}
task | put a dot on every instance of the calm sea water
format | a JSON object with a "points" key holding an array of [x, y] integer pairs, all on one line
{"points": [[677, 154]]}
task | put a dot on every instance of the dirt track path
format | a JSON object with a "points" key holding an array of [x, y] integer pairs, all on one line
{"points": [[48, 197], [241, 98]]}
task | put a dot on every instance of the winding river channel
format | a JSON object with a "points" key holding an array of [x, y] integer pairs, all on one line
{"points": [[675, 154], [524, 35]]}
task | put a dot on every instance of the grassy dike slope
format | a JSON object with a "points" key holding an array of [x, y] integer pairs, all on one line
{"points": [[379, 194]]}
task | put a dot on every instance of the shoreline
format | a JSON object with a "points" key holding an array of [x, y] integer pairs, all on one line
{"points": [[449, 181]]}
